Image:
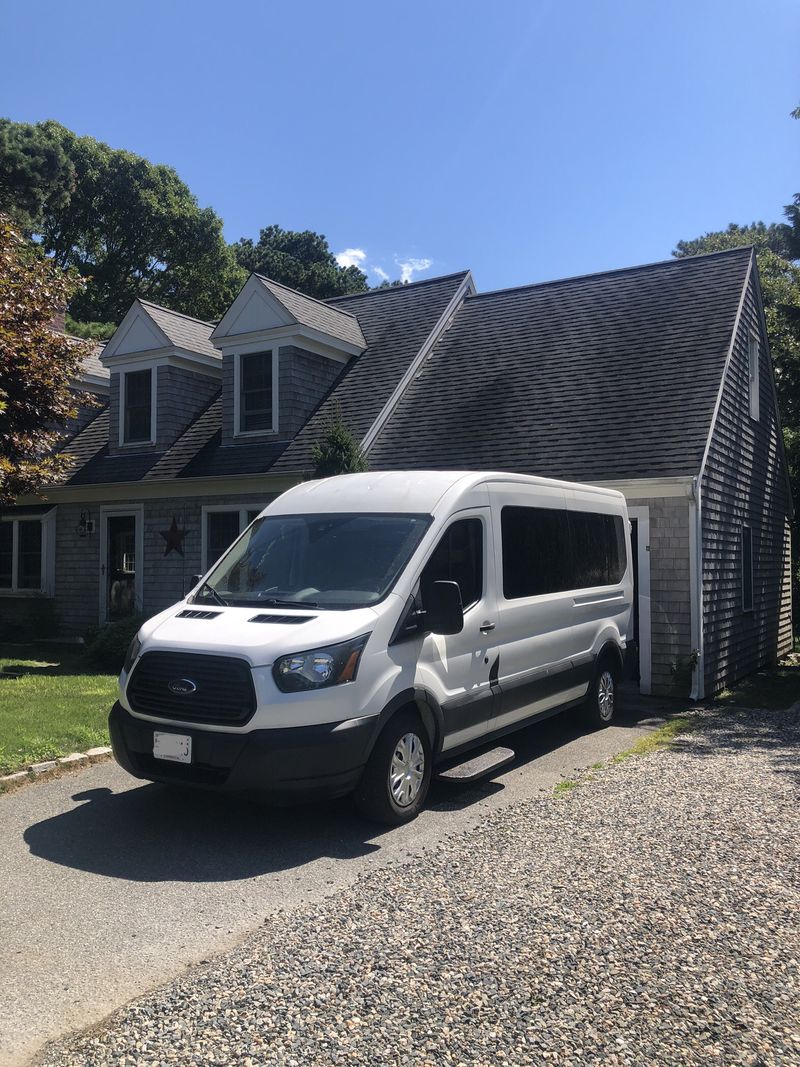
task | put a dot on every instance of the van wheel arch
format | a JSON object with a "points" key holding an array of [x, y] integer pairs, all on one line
{"points": [[425, 705]]}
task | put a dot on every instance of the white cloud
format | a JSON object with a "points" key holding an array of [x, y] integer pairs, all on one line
{"points": [[380, 273], [351, 257], [410, 267]]}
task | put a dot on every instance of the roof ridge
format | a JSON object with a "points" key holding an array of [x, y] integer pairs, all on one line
{"points": [[178, 314], [305, 296], [399, 288], [673, 261]]}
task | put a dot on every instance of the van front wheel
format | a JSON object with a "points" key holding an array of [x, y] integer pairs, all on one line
{"points": [[395, 782], [601, 700]]}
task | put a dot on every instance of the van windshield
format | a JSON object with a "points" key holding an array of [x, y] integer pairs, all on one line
{"points": [[333, 561]]}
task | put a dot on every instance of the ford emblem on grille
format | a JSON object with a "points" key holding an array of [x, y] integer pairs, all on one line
{"points": [[182, 685]]}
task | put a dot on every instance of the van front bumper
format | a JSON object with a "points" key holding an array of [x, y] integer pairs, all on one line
{"points": [[295, 763]]}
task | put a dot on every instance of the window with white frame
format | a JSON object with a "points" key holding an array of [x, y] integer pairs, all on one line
{"points": [[255, 392], [747, 569], [753, 369], [137, 406], [25, 545], [222, 524]]}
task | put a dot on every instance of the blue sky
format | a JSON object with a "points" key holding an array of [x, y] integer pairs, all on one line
{"points": [[526, 140]]}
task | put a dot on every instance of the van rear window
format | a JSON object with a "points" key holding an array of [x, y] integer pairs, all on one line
{"points": [[550, 550]]}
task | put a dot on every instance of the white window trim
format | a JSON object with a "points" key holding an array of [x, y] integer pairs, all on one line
{"points": [[237, 381], [48, 562], [153, 368], [753, 375], [747, 611], [205, 510]]}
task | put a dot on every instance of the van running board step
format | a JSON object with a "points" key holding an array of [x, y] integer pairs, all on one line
{"points": [[478, 766]]}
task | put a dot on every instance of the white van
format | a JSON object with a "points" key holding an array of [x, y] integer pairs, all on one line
{"points": [[366, 628]]}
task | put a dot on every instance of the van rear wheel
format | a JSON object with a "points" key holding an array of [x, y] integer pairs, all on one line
{"points": [[601, 700], [396, 778]]}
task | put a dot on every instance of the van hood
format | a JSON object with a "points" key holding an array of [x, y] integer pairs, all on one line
{"points": [[259, 634]]}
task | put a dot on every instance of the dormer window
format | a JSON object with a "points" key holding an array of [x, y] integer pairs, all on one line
{"points": [[256, 396], [138, 406]]}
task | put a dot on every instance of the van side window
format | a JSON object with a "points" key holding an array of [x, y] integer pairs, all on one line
{"points": [[550, 550], [535, 551], [458, 558], [598, 549]]}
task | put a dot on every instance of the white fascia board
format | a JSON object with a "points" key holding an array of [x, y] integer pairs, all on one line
{"points": [[467, 288], [646, 488], [168, 357], [696, 519], [112, 492], [304, 337]]}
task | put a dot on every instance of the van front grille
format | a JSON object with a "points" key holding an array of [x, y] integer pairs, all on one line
{"points": [[193, 687]]}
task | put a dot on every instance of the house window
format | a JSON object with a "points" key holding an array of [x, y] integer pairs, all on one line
{"points": [[747, 569], [137, 402], [221, 526], [255, 393], [753, 367], [22, 555]]}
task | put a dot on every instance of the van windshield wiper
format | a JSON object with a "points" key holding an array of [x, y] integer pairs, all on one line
{"points": [[214, 594], [275, 602]]}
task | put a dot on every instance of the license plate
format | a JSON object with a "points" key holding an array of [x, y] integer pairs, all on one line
{"points": [[175, 747]]}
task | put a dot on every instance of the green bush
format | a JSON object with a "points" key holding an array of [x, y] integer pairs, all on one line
{"points": [[106, 645]]}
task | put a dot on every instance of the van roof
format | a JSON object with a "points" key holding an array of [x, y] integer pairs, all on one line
{"points": [[401, 491]]}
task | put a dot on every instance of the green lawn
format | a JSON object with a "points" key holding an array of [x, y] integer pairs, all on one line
{"points": [[58, 705]]}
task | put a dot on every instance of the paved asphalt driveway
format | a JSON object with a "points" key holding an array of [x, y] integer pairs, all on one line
{"points": [[109, 886]]}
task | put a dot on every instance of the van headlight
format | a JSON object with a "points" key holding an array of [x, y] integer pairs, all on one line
{"points": [[134, 649], [319, 668]]}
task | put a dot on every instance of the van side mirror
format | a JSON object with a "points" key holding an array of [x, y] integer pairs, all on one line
{"points": [[444, 613]]}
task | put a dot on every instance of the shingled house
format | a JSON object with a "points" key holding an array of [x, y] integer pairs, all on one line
{"points": [[655, 380]]}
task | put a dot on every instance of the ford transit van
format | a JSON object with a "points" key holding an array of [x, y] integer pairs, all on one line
{"points": [[367, 628]]}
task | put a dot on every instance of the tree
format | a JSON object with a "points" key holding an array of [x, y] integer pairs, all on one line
{"points": [[37, 365], [131, 227], [301, 260], [338, 452]]}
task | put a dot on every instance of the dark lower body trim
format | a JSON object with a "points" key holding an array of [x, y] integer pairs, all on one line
{"points": [[296, 763]]}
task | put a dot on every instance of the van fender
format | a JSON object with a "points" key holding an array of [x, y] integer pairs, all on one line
{"points": [[429, 711], [610, 645]]}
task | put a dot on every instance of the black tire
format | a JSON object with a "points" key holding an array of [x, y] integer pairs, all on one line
{"points": [[600, 705], [374, 797]]}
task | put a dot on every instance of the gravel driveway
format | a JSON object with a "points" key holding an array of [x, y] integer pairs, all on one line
{"points": [[649, 916]]}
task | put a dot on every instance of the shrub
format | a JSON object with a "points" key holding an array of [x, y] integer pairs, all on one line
{"points": [[106, 645]]}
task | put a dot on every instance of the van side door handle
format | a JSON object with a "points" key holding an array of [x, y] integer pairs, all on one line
{"points": [[486, 627]]}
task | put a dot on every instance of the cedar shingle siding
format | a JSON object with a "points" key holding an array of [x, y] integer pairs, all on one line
{"points": [[745, 483]]}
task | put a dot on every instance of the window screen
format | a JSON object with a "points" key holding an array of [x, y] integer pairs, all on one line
{"points": [[458, 558], [137, 405], [747, 569], [29, 573], [255, 392], [535, 551]]}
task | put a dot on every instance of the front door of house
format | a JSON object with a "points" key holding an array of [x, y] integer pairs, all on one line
{"points": [[120, 567]]}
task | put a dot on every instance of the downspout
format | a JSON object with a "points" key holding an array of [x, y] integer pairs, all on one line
{"points": [[696, 588]]}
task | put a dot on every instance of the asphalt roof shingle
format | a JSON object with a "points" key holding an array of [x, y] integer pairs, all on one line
{"points": [[182, 330], [396, 322], [334, 321], [603, 377]]}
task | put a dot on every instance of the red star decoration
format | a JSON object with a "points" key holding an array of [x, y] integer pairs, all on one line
{"points": [[173, 537]]}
